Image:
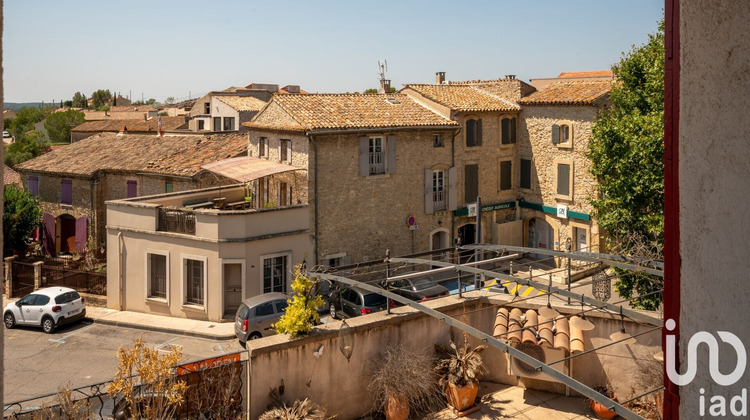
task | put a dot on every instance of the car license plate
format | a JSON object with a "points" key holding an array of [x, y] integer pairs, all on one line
{"points": [[74, 312]]}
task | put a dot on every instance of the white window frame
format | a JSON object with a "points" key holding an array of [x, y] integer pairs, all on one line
{"points": [[288, 159], [437, 204], [263, 147], [147, 281], [341, 257], [287, 286], [375, 167], [561, 125], [183, 282]]}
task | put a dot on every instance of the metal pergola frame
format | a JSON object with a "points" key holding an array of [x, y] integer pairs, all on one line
{"points": [[615, 261]]}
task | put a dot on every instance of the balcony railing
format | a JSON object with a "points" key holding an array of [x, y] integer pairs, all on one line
{"points": [[178, 221], [438, 200], [377, 163]]}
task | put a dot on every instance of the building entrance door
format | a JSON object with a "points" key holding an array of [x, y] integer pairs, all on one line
{"points": [[540, 236], [581, 242], [232, 289]]}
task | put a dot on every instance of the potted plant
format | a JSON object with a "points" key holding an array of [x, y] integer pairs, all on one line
{"points": [[459, 371], [404, 382], [600, 410]]}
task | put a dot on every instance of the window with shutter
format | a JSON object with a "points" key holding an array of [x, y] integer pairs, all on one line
{"points": [[66, 191], [512, 130], [471, 183], [506, 175], [526, 174], [563, 179], [479, 132], [33, 185], [132, 189], [376, 157], [555, 134]]}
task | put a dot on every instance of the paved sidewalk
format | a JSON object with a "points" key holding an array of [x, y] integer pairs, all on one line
{"points": [[168, 324]]}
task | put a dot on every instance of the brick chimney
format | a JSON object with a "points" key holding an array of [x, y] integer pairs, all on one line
{"points": [[385, 86], [440, 78]]}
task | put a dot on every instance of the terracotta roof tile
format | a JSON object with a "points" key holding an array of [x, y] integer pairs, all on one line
{"points": [[128, 153], [211, 148], [115, 125], [595, 73], [569, 93], [465, 98], [242, 103], [131, 108], [10, 176], [342, 111]]}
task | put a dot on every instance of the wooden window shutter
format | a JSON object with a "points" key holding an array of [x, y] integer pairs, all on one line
{"points": [[512, 130], [364, 155], [452, 189], [555, 134], [505, 135], [471, 183], [428, 207], [563, 179], [470, 133], [49, 233], [505, 175], [479, 131], [132, 189], [526, 174], [390, 157]]}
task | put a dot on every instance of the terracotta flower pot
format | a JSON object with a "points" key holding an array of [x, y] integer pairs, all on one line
{"points": [[396, 407], [463, 397], [601, 411]]}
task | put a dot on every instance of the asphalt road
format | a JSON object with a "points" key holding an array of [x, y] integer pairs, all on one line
{"points": [[83, 354]]}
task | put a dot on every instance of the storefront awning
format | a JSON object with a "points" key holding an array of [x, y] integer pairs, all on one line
{"points": [[246, 168]]}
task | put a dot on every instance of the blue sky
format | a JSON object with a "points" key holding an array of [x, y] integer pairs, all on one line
{"points": [[51, 48]]}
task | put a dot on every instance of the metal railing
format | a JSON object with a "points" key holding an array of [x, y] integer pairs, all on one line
{"points": [[177, 221], [438, 200], [377, 163]]}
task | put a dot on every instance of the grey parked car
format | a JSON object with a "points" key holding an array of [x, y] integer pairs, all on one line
{"points": [[353, 301], [256, 315], [420, 289]]}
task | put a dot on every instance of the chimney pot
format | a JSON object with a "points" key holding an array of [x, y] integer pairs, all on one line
{"points": [[510, 77], [440, 78]]}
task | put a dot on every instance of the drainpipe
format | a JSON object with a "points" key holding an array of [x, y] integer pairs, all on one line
{"points": [[315, 180], [120, 264]]}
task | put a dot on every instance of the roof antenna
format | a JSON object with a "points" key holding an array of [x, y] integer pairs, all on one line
{"points": [[385, 84]]}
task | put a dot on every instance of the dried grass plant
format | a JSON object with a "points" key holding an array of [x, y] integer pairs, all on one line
{"points": [[408, 374]]}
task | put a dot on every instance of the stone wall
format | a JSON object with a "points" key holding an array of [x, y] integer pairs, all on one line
{"points": [[365, 215], [535, 143]]}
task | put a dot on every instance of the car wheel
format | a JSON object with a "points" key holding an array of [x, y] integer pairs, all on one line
{"points": [[254, 336], [48, 325], [333, 311], [9, 320]]}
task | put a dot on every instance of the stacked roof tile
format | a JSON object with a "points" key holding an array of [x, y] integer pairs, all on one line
{"points": [[172, 155], [465, 98], [242, 103], [132, 125], [569, 93], [344, 111]]}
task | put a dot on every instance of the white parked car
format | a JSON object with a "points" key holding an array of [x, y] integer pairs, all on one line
{"points": [[47, 308]]}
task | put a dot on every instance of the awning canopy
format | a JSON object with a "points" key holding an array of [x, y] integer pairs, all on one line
{"points": [[246, 168]]}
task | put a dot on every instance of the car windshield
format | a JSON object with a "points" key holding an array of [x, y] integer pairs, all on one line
{"points": [[421, 284], [374, 299]]}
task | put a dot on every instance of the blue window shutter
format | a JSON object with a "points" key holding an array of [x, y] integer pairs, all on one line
{"points": [[390, 161], [364, 156]]}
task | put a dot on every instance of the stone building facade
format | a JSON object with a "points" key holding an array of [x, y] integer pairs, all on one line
{"points": [[75, 181]]}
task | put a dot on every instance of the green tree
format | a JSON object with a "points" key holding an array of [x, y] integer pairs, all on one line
{"points": [[20, 217], [150, 101], [59, 124], [169, 100], [627, 151], [100, 98], [79, 100], [302, 312], [26, 147], [24, 121]]}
